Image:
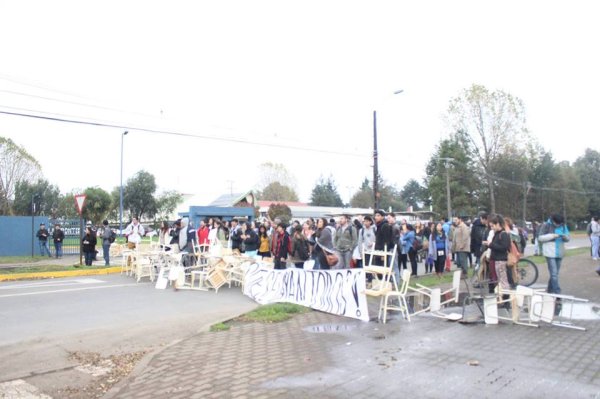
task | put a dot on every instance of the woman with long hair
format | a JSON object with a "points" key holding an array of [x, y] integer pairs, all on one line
{"points": [[164, 236], [264, 242], [499, 246], [324, 242], [438, 249]]}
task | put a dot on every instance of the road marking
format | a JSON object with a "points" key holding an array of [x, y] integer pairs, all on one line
{"points": [[52, 283], [71, 290]]}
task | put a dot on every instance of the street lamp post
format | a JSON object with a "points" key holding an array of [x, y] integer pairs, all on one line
{"points": [[375, 165], [121, 187], [447, 165], [376, 195]]}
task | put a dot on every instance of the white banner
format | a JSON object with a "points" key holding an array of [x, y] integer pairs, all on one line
{"points": [[339, 292]]}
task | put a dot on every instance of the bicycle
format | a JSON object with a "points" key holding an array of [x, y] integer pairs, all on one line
{"points": [[527, 272]]}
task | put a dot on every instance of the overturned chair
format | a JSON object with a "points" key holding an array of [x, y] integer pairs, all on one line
{"points": [[435, 295]]}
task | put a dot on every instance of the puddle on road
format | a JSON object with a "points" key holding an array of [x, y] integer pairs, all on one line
{"points": [[329, 328]]}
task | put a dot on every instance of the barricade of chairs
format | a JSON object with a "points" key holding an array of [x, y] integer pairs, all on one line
{"points": [[207, 267]]}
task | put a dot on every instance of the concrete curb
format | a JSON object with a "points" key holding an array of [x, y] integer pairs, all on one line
{"points": [[58, 274]]}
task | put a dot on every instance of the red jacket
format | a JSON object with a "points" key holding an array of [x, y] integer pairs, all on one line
{"points": [[203, 235]]}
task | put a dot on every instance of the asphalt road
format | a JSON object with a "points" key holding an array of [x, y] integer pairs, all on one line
{"points": [[42, 321]]}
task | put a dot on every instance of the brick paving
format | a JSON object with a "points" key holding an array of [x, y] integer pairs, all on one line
{"points": [[426, 358]]}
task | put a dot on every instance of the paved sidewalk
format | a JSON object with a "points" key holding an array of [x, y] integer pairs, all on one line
{"points": [[325, 356]]}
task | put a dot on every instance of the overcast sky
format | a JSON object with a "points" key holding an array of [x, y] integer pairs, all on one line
{"points": [[304, 74]]}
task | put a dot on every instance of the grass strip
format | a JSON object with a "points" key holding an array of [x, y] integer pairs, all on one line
{"points": [[273, 313], [48, 268], [219, 327]]}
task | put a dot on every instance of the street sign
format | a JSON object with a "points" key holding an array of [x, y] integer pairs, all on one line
{"points": [[79, 202]]}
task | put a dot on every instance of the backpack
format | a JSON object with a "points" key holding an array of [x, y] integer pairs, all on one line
{"points": [[417, 243], [112, 237]]}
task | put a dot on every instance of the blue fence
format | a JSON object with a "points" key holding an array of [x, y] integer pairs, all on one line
{"points": [[17, 235]]}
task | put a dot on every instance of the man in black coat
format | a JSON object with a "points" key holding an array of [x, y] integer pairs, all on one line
{"points": [[384, 235], [478, 235]]}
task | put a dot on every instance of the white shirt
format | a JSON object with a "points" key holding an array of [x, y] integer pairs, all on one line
{"points": [[134, 233]]}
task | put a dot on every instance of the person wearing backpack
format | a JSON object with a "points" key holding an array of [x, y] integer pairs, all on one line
{"points": [[344, 241], [300, 250]]}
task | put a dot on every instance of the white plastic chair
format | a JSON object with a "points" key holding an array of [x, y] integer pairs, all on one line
{"points": [[401, 295]]}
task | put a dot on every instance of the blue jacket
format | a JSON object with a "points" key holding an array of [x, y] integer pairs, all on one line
{"points": [[406, 240], [552, 246]]}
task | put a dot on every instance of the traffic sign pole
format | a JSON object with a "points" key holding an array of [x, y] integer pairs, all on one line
{"points": [[79, 203]]}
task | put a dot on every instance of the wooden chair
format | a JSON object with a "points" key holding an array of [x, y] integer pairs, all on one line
{"points": [[401, 295], [382, 274], [143, 267], [210, 277], [383, 278]]}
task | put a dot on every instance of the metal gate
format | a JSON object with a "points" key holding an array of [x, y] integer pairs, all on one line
{"points": [[72, 236]]}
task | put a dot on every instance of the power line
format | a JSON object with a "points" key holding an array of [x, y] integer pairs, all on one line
{"points": [[182, 134], [74, 103], [531, 186], [38, 86]]}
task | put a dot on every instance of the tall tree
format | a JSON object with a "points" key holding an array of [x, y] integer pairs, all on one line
{"points": [[276, 191], [281, 211], [66, 207], [564, 194], [16, 166], [543, 172], [465, 182], [588, 169], [270, 172], [363, 198], [389, 197], [325, 193], [138, 196], [97, 204], [44, 195], [166, 203], [494, 123], [412, 194]]}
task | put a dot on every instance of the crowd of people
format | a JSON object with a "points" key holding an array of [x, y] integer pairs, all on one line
{"points": [[346, 242]]}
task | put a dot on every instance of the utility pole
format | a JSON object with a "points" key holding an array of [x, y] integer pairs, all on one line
{"points": [[526, 188], [447, 165], [375, 165], [376, 195], [121, 187]]}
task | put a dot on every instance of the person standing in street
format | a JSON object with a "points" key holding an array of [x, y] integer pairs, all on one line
{"points": [[89, 246], [553, 235], [461, 244], [345, 241], [595, 237], [106, 242], [58, 236], [281, 247], [134, 233], [42, 235]]}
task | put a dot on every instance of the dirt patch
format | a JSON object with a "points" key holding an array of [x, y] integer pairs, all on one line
{"points": [[105, 373]]}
